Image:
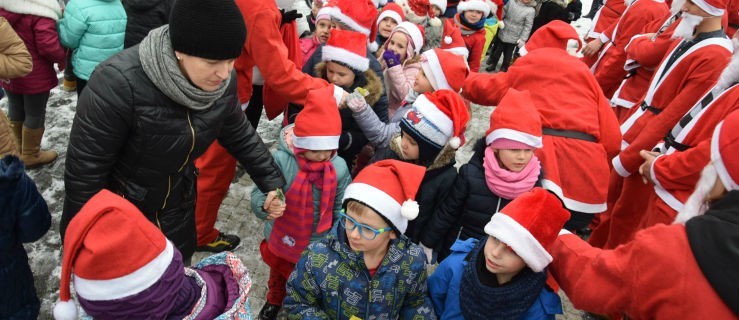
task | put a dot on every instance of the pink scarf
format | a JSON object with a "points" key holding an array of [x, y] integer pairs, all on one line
{"points": [[508, 184]]}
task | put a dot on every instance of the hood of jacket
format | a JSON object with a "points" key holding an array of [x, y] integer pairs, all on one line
{"points": [[11, 169], [42, 8], [374, 85]]}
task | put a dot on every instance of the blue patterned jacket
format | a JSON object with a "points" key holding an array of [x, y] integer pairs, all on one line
{"points": [[332, 282]]}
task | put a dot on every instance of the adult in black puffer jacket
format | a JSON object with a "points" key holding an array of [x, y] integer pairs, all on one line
{"points": [[151, 110], [466, 209], [144, 16]]}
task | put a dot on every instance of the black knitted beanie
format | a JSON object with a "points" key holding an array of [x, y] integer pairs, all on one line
{"points": [[209, 29]]}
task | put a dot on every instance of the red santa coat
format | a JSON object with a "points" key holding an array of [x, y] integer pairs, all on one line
{"points": [[568, 98], [676, 173], [607, 16], [655, 276], [609, 69], [475, 42], [732, 17]]}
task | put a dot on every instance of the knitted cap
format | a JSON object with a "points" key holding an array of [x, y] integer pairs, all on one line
{"points": [[318, 125], [392, 11], [476, 5], [415, 32], [556, 34], [113, 251], [529, 224], [347, 47], [358, 15], [209, 29], [515, 118], [725, 151], [444, 70], [441, 4], [388, 187], [713, 7], [438, 117]]}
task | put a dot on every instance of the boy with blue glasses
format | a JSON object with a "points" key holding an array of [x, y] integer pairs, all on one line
{"points": [[366, 268]]}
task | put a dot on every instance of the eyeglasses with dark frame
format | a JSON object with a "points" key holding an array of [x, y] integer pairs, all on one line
{"points": [[365, 231]]}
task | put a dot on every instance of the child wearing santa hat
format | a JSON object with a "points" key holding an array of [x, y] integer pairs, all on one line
{"points": [[122, 266], [366, 268], [678, 271], [503, 274], [502, 167], [345, 65], [400, 59], [390, 16], [308, 45], [306, 156], [438, 33], [470, 19]]}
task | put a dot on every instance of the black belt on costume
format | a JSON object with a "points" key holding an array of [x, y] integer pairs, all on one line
{"points": [[645, 107], [569, 134], [671, 143]]}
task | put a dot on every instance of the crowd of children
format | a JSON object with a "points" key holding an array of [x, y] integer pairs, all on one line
{"points": [[622, 134]]}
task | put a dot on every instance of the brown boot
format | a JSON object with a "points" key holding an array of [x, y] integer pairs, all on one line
{"points": [[31, 152], [17, 128]]}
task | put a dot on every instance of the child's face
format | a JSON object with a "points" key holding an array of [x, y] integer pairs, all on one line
{"points": [[339, 75], [422, 84], [372, 219], [473, 16], [323, 28], [398, 43], [386, 26], [501, 260], [409, 146], [437, 11], [317, 155], [514, 159]]}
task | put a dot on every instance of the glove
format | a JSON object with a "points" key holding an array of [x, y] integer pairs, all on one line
{"points": [[520, 43], [501, 25], [289, 16], [429, 253], [356, 102], [391, 58]]}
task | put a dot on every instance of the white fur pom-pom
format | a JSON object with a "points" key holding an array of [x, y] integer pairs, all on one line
{"points": [[373, 46], [448, 40], [435, 22], [455, 142], [409, 209], [65, 310]]}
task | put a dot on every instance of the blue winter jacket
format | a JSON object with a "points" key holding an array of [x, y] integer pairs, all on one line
{"points": [[330, 281], [444, 287], [24, 218], [95, 30]]}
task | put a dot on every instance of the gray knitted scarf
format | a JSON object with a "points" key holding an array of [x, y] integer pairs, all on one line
{"points": [[161, 66]]}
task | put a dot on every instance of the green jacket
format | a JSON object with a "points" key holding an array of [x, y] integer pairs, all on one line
{"points": [[285, 159], [95, 30]]}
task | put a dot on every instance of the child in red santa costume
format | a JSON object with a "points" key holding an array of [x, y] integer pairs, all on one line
{"points": [[470, 19], [580, 131], [686, 270], [691, 67]]}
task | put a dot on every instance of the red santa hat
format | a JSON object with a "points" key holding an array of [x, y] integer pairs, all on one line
{"points": [[555, 34], [440, 117], [444, 70], [358, 15], [441, 4], [452, 41], [323, 14], [318, 125], [113, 251], [392, 11], [389, 187], [414, 31], [529, 224], [515, 123], [348, 48], [725, 151], [474, 5], [713, 7]]}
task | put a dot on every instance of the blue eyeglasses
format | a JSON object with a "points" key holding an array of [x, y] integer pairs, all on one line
{"points": [[365, 231]]}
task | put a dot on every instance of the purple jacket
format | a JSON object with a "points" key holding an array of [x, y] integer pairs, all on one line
{"points": [[40, 36]]}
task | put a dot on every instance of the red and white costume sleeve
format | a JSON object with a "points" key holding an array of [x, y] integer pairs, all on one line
{"points": [[672, 91], [568, 98], [609, 69], [655, 276]]}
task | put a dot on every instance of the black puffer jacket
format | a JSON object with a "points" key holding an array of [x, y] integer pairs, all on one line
{"points": [[143, 16], [129, 137], [466, 209]]}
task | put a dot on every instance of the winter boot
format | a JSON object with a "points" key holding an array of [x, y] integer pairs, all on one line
{"points": [[17, 128], [31, 152]]}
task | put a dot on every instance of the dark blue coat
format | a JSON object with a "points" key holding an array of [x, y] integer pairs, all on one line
{"points": [[24, 218]]}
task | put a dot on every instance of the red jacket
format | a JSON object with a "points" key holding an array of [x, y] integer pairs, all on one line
{"points": [[475, 42]]}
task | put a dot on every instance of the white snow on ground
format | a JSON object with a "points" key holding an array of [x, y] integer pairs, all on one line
{"points": [[234, 217]]}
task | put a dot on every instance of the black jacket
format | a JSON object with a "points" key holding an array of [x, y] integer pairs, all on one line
{"points": [[143, 16], [129, 137], [467, 207]]}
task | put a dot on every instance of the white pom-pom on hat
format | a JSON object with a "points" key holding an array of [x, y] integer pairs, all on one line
{"points": [[435, 22], [409, 209], [448, 39], [455, 142], [65, 310]]}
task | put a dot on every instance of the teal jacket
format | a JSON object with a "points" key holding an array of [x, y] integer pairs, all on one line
{"points": [[285, 159], [95, 30]]}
